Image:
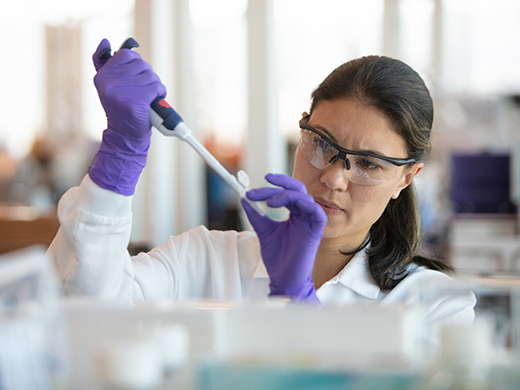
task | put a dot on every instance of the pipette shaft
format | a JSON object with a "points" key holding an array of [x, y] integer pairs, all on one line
{"points": [[165, 119]]}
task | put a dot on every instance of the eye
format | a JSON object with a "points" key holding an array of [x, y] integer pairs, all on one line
{"points": [[368, 163], [317, 143], [314, 138], [325, 146]]}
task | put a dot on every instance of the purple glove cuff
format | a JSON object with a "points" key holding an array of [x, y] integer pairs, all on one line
{"points": [[119, 162], [304, 292]]}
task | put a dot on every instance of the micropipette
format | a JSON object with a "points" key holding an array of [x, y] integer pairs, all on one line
{"points": [[165, 119]]}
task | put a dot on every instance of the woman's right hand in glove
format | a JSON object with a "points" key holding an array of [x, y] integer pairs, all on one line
{"points": [[126, 86]]}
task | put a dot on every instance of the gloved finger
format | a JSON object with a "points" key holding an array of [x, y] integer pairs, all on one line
{"points": [[125, 73], [264, 193], [113, 74], [250, 211], [286, 197], [132, 68], [312, 212], [308, 210], [145, 93], [159, 91], [294, 201], [125, 56], [260, 223], [287, 182], [142, 79], [125, 82], [103, 47], [277, 197]]}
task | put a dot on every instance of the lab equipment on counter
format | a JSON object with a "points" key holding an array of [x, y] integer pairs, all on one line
{"points": [[222, 333], [454, 356], [275, 344], [103, 335], [306, 348], [33, 353], [465, 357], [295, 376], [141, 360], [128, 365]]}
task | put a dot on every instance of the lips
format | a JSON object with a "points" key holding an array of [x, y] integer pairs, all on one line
{"points": [[330, 208]]}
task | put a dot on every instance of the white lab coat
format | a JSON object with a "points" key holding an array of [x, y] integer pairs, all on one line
{"points": [[91, 258]]}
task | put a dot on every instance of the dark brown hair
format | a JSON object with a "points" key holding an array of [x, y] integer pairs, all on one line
{"points": [[397, 91]]}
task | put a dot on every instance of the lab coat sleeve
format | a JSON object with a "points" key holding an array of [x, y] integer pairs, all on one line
{"points": [[91, 257], [442, 300], [447, 301], [200, 264], [439, 300], [90, 249]]}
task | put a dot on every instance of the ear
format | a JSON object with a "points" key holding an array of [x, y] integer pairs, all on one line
{"points": [[407, 178]]}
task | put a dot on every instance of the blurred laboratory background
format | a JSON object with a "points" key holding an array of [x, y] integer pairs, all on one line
{"points": [[240, 73]]}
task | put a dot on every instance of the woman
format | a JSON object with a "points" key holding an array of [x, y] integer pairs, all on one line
{"points": [[353, 231]]}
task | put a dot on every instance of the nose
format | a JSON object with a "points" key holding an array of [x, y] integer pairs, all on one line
{"points": [[335, 176]]}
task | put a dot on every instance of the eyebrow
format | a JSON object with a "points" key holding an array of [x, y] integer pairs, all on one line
{"points": [[335, 141], [328, 133]]}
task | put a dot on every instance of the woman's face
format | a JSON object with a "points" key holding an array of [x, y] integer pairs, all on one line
{"points": [[353, 208]]}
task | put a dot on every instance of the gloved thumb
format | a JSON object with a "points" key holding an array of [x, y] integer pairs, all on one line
{"points": [[251, 213], [261, 223], [102, 54]]}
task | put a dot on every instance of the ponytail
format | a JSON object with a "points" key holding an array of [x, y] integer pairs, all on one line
{"points": [[395, 242]]}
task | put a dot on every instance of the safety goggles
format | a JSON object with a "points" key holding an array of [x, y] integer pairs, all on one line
{"points": [[362, 168]]}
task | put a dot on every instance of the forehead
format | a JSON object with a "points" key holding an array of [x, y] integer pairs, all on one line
{"points": [[356, 126]]}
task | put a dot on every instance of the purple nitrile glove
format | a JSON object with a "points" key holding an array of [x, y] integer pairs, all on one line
{"points": [[289, 247], [126, 86]]}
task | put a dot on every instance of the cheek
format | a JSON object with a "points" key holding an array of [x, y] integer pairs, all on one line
{"points": [[370, 201], [374, 194]]}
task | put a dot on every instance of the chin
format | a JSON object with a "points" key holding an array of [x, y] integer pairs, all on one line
{"points": [[338, 230], [334, 232]]}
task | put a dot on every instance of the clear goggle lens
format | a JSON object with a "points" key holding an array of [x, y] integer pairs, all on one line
{"points": [[365, 170]]}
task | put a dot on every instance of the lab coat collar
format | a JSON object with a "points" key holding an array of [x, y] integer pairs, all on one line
{"points": [[355, 276]]}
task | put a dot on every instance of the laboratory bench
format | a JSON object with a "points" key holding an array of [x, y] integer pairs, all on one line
{"points": [[23, 226]]}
